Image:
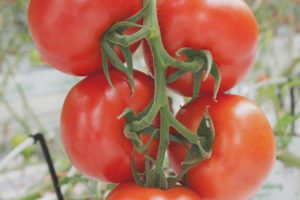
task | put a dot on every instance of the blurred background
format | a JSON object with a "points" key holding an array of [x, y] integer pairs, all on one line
{"points": [[32, 95]]}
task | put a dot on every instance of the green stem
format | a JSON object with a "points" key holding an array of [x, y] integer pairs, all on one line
{"points": [[190, 66], [191, 137], [160, 96], [161, 181], [151, 32], [125, 41]]}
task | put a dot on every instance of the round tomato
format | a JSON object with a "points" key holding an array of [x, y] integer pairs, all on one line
{"points": [[132, 191], [227, 28], [243, 150], [67, 33], [91, 132]]}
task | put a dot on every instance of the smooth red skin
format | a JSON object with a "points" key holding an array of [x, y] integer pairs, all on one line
{"points": [[243, 150], [227, 28], [91, 132], [132, 191], [67, 32]]}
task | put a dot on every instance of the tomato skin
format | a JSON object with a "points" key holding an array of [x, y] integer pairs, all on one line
{"points": [[227, 28], [132, 191], [67, 33], [243, 150], [91, 133]]}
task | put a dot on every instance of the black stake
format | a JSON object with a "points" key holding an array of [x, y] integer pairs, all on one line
{"points": [[40, 138]]}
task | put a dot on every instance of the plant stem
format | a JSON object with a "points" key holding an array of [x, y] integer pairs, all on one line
{"points": [[163, 143], [150, 31]]}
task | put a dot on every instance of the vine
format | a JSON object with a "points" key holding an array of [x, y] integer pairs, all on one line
{"points": [[200, 63]]}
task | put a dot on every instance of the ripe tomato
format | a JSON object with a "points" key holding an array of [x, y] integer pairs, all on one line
{"points": [[67, 33], [243, 150], [227, 28], [91, 132], [132, 191]]}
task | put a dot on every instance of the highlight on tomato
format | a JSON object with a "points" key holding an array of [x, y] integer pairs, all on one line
{"points": [[67, 33], [91, 131], [243, 152], [226, 28]]}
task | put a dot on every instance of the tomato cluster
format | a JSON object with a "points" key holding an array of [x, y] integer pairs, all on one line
{"points": [[67, 34]]}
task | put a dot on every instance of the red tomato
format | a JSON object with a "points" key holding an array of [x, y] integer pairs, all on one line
{"points": [[67, 32], [91, 132], [227, 28], [132, 191], [243, 150]]}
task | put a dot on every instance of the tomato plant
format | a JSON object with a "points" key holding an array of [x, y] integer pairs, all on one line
{"points": [[68, 33], [132, 191], [243, 150], [226, 28], [91, 132], [108, 123]]}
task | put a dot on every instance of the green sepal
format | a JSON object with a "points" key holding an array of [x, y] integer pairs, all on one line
{"points": [[135, 173], [206, 129], [129, 113], [105, 68], [189, 52], [215, 72], [197, 78], [209, 63], [187, 164], [142, 148], [115, 60], [134, 137], [200, 152], [128, 57], [205, 61]]}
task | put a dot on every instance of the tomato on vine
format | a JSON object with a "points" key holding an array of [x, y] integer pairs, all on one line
{"points": [[91, 131], [68, 33], [243, 151], [132, 191], [226, 28], [233, 150]]}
